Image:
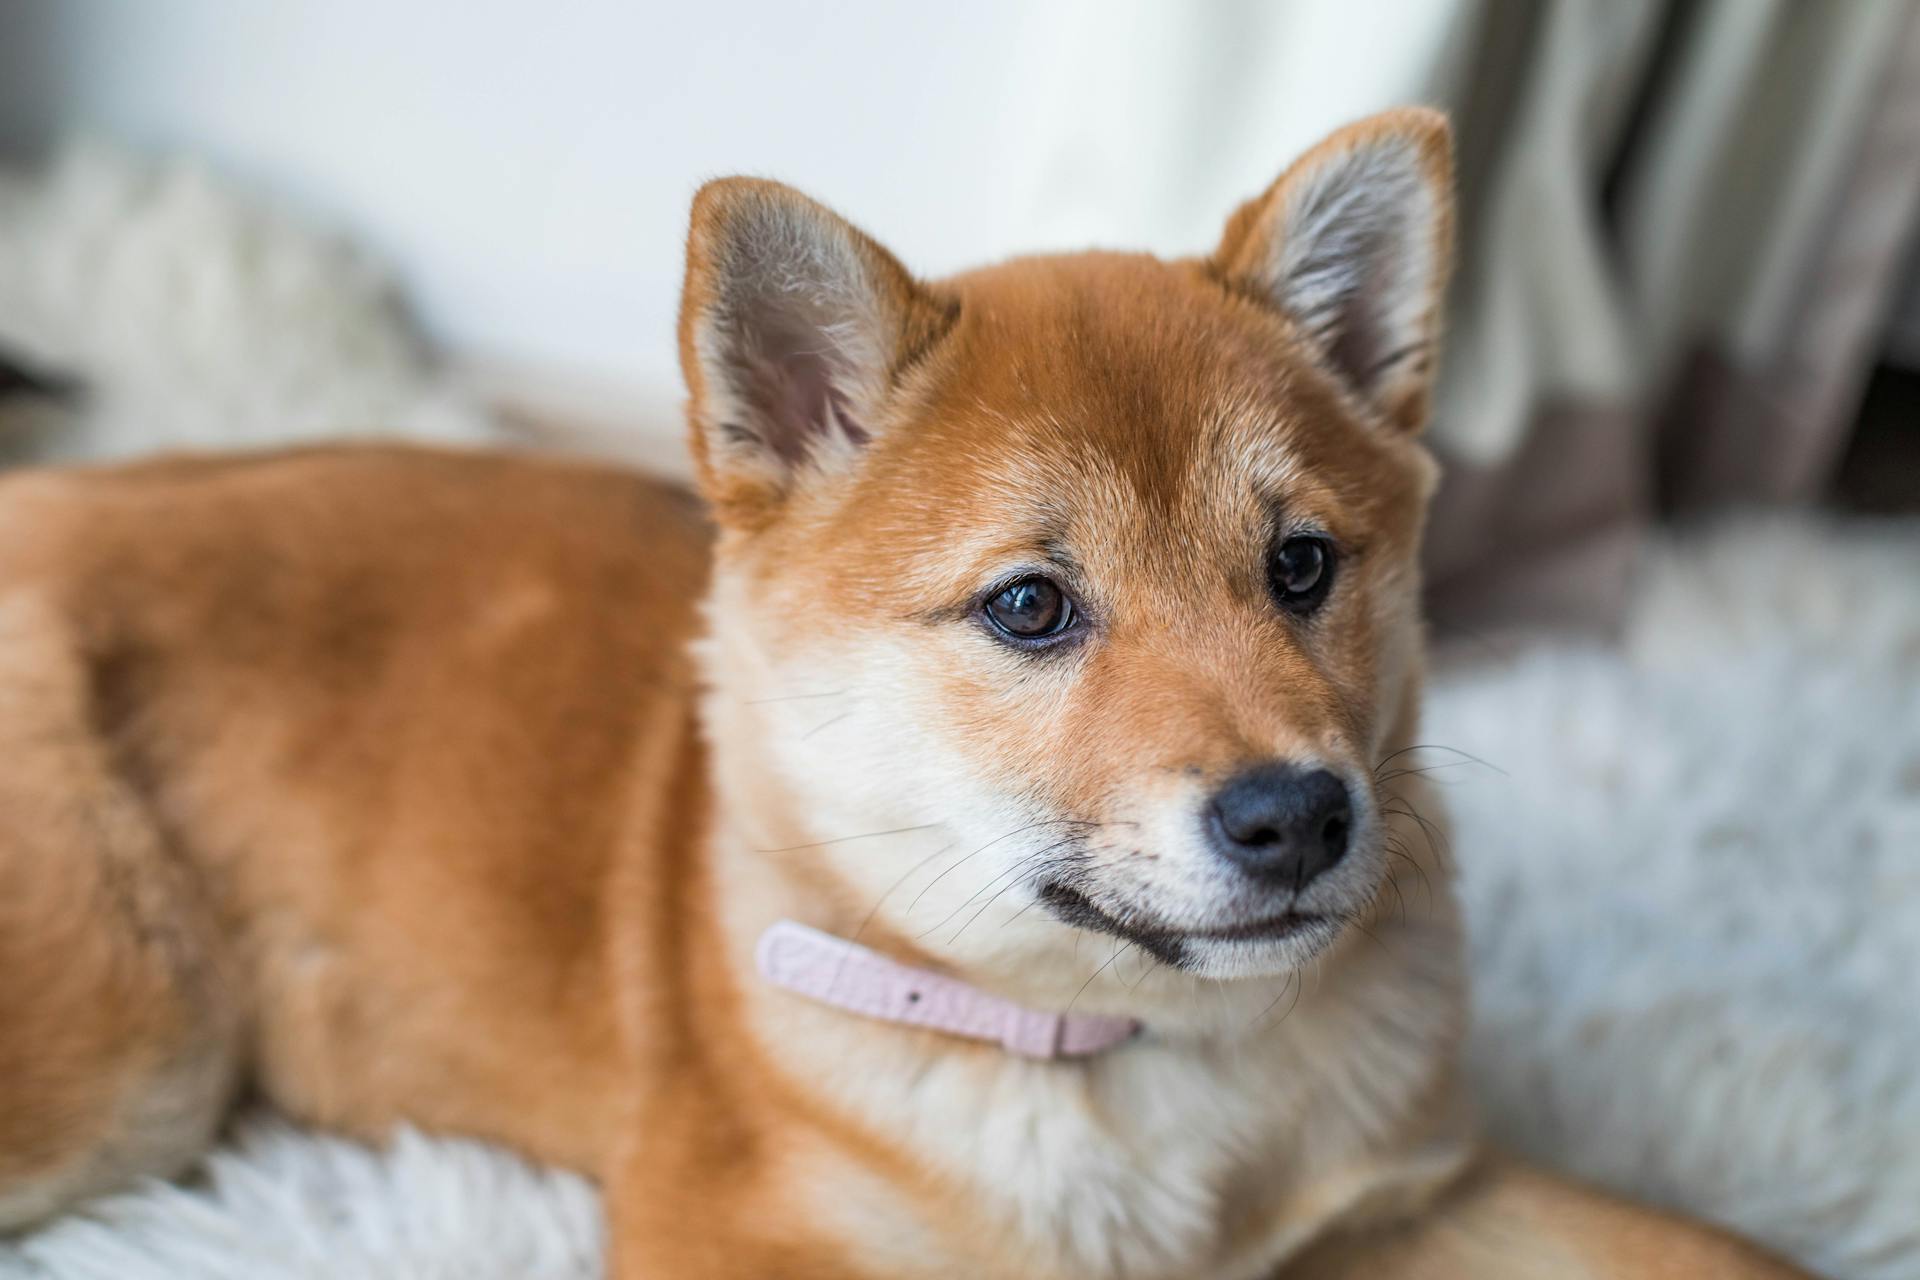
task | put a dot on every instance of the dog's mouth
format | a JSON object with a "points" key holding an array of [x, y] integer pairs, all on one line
{"points": [[1070, 906]]}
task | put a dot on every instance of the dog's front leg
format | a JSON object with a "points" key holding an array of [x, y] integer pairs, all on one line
{"points": [[1504, 1221]]}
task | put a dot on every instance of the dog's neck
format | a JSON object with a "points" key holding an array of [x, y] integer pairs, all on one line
{"points": [[859, 980]]}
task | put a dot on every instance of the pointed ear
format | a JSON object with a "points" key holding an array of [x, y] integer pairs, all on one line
{"points": [[1355, 243], [793, 328]]}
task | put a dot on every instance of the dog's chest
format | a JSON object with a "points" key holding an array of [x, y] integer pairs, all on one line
{"points": [[1153, 1163], [1135, 1173]]}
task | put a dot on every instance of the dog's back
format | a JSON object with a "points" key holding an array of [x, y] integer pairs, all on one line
{"points": [[249, 779]]}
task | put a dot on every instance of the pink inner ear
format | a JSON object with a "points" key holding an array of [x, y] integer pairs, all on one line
{"points": [[796, 404]]}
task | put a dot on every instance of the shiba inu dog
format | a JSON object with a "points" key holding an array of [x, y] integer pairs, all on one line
{"points": [[988, 849]]}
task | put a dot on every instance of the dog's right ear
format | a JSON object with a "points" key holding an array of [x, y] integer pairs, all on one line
{"points": [[1354, 243], [793, 328]]}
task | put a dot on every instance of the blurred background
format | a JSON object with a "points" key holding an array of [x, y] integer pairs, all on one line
{"points": [[1680, 415]]}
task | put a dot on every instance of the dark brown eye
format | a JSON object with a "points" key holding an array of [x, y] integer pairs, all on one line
{"points": [[1030, 609], [1300, 572]]}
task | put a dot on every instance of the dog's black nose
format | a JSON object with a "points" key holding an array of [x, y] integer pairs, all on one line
{"points": [[1281, 823]]}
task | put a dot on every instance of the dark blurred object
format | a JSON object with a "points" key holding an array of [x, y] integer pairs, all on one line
{"points": [[34, 402], [1880, 474], [19, 380]]}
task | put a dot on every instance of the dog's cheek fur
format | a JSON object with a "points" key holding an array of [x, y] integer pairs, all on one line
{"points": [[837, 757]]}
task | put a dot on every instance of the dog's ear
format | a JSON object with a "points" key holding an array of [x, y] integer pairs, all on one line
{"points": [[1354, 242], [794, 327]]}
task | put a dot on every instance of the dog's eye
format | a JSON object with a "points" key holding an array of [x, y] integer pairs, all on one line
{"points": [[1300, 572], [1030, 609]]}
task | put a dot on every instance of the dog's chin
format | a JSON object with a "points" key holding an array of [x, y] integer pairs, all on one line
{"points": [[1260, 946], [1306, 938]]}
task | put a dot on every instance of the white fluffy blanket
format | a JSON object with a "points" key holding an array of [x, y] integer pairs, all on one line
{"points": [[199, 317], [1694, 889], [1695, 896]]}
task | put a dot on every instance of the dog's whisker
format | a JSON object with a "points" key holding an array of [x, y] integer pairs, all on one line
{"points": [[1014, 875], [1020, 865], [1293, 984], [895, 888], [1467, 757], [1394, 775], [1031, 826], [1398, 897], [1022, 911], [1437, 850], [825, 724], [792, 697], [1352, 921], [1436, 839], [1025, 868], [1147, 972], [1013, 871], [1395, 849], [1118, 948], [865, 835]]}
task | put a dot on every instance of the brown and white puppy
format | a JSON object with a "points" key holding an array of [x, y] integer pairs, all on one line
{"points": [[1060, 636]]}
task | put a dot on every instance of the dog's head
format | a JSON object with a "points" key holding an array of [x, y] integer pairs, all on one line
{"points": [[1080, 590]]}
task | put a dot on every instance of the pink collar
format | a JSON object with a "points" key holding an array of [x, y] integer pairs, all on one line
{"points": [[852, 977]]}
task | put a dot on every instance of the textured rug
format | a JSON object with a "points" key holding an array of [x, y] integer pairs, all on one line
{"points": [[1691, 860]]}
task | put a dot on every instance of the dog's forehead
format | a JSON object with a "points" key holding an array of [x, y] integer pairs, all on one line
{"points": [[1117, 352], [1120, 388]]}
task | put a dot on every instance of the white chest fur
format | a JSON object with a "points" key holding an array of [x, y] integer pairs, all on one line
{"points": [[1170, 1156]]}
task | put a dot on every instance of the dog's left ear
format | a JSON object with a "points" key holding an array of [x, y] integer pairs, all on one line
{"points": [[1355, 242], [794, 329]]}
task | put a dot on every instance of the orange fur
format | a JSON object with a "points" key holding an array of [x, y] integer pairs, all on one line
{"points": [[413, 785]]}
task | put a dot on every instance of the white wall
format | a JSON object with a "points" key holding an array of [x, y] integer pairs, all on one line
{"points": [[527, 166]]}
